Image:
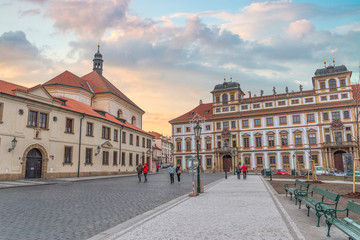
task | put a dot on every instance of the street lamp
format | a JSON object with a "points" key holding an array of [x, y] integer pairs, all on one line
{"points": [[234, 152], [225, 162], [197, 131], [13, 144]]}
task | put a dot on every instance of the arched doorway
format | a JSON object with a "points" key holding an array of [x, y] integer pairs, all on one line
{"points": [[33, 164], [227, 163], [338, 160]]}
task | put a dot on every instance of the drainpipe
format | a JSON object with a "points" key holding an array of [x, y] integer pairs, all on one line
{"points": [[120, 140], [78, 172]]}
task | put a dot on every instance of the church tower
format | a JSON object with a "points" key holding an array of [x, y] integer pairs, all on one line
{"points": [[98, 62]]}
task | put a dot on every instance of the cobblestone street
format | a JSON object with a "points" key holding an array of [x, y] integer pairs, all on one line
{"points": [[79, 210]]}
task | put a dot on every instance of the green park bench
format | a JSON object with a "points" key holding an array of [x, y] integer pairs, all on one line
{"points": [[347, 225], [298, 186], [328, 200]]}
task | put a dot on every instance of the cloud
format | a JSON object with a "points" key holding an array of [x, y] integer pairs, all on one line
{"points": [[300, 28]]}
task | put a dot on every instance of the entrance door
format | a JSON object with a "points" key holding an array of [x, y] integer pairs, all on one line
{"points": [[227, 163], [338, 160], [33, 164]]}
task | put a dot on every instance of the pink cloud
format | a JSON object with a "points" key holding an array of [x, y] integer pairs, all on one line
{"points": [[300, 28]]}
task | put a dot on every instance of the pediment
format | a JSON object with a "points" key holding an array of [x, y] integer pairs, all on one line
{"points": [[106, 144]]}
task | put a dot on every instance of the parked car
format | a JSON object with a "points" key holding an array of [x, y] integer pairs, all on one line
{"points": [[165, 165], [305, 172], [282, 172], [338, 173], [319, 170], [265, 171]]}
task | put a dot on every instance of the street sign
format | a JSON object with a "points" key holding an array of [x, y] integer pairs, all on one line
{"points": [[192, 163]]}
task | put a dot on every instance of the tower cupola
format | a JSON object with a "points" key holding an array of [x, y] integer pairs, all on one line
{"points": [[98, 62]]}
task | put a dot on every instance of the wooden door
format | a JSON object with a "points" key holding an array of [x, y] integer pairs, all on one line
{"points": [[338, 160], [33, 164], [227, 163]]}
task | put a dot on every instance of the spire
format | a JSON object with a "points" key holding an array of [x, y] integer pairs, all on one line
{"points": [[98, 62]]}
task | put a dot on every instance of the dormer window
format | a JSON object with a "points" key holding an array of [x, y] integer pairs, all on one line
{"points": [[225, 98], [133, 120], [119, 113], [332, 85]]}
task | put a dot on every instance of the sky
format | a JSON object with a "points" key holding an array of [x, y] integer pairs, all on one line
{"points": [[167, 55]]}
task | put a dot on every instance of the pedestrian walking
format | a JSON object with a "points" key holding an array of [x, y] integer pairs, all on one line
{"points": [[145, 171], [178, 172], [172, 171], [238, 171], [244, 170], [139, 170], [157, 167]]}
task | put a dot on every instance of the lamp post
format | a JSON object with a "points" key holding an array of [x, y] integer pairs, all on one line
{"points": [[234, 152], [294, 162], [197, 131], [225, 162]]}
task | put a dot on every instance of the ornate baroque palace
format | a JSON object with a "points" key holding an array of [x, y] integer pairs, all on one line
{"points": [[70, 126], [278, 131]]}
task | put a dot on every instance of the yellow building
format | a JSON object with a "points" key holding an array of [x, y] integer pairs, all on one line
{"points": [[279, 131], [70, 126]]}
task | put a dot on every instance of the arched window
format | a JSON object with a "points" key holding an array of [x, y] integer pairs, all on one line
{"points": [[133, 120], [119, 113], [225, 98], [332, 84]]}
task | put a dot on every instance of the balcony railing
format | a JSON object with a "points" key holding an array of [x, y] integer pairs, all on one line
{"points": [[339, 144]]}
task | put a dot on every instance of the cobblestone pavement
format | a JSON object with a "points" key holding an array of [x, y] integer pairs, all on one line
{"points": [[79, 210]]}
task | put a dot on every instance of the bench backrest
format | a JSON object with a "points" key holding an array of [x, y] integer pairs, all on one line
{"points": [[302, 184], [353, 206], [325, 193]]}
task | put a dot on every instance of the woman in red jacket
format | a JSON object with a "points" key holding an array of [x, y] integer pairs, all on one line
{"points": [[145, 171], [244, 170]]}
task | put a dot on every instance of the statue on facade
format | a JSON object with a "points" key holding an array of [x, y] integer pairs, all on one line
{"points": [[249, 94], [261, 92], [301, 88], [287, 89], [274, 90]]}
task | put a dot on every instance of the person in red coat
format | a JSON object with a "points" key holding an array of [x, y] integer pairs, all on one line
{"points": [[145, 171], [244, 170], [157, 167]]}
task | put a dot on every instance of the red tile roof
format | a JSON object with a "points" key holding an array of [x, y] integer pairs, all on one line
{"points": [[101, 85], [156, 135], [68, 79], [6, 87], [204, 110]]}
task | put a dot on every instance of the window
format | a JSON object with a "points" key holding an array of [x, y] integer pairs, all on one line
{"points": [[119, 113], [233, 124], [325, 116], [188, 129], [208, 161], [327, 138], [346, 115], [143, 142], [1, 111], [269, 121], [322, 85], [246, 142], [232, 97], [271, 141], [105, 132], [226, 125], [115, 135], [259, 161], [296, 119], [68, 155], [178, 130], [327, 130], [257, 122], [300, 159], [188, 145], [208, 144], [348, 137], [281, 103], [131, 139], [115, 158], [344, 95], [219, 144], [42, 120], [218, 110], [323, 98], [338, 137], [268, 104], [89, 129], [245, 123], [295, 101], [225, 109], [247, 160], [315, 159], [225, 98], [105, 160], [285, 160], [334, 97], [308, 100], [207, 127], [137, 141], [69, 127], [298, 139], [312, 138], [258, 141], [348, 129], [332, 85], [88, 156], [272, 160], [342, 83], [310, 118], [256, 105], [217, 99], [133, 120], [123, 137], [178, 146], [232, 109], [218, 126], [283, 120], [123, 159], [130, 159], [137, 159], [244, 107], [284, 140], [335, 115]]}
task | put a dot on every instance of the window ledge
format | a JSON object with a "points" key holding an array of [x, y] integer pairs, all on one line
{"points": [[86, 164], [70, 163], [69, 132]]}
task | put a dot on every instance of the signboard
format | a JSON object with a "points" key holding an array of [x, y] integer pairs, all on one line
{"points": [[348, 163], [192, 163]]}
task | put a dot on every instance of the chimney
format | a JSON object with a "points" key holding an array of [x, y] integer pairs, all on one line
{"points": [[200, 102]]}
